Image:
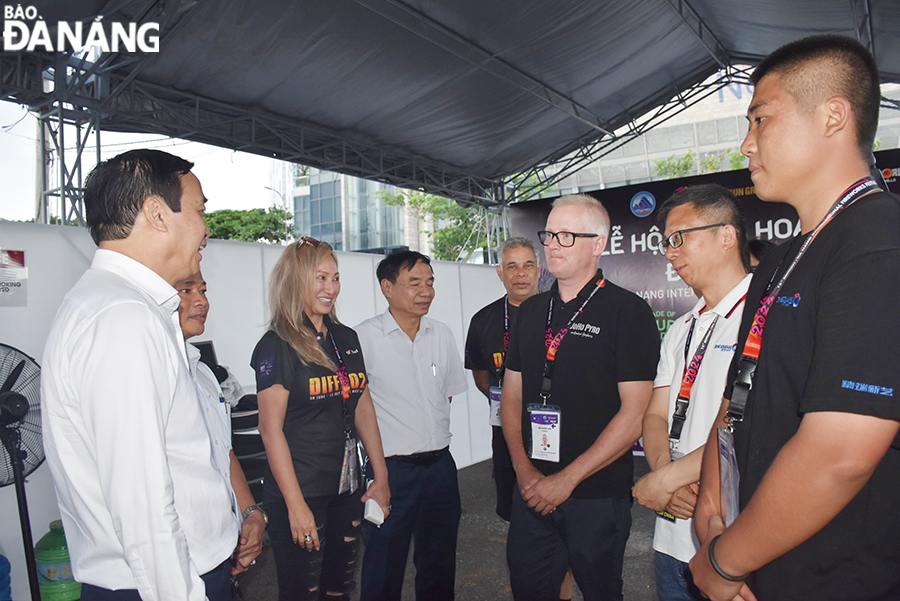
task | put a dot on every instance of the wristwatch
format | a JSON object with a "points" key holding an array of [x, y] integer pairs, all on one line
{"points": [[253, 508]]}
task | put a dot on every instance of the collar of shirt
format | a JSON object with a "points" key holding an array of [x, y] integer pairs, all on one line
{"points": [[147, 281], [138, 274], [309, 324], [389, 324], [585, 292], [193, 355], [724, 306]]}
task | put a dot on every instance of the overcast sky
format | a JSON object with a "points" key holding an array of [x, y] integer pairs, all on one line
{"points": [[230, 180]]}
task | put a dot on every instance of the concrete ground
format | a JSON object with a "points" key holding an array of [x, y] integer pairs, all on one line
{"points": [[481, 573]]}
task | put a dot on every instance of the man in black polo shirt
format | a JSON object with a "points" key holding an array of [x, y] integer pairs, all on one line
{"points": [[817, 450], [571, 453], [486, 345]]}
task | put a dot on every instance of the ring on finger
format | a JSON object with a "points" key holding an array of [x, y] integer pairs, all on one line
{"points": [[307, 538]]}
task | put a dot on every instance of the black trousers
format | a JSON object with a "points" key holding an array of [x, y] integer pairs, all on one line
{"points": [[586, 535], [308, 575]]}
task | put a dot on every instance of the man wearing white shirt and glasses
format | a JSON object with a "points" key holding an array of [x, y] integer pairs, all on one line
{"points": [[706, 243]]}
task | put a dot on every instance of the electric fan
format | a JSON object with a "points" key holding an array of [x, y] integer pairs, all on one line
{"points": [[20, 431]]}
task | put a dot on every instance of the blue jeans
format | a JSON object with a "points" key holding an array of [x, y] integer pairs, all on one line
{"points": [[586, 535], [425, 505], [674, 581]]}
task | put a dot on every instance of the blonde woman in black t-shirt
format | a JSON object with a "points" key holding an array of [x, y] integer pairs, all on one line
{"points": [[314, 405]]}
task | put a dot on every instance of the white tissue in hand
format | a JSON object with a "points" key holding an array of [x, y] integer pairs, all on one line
{"points": [[373, 512]]}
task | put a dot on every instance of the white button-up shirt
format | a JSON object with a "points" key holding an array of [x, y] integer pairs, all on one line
{"points": [[678, 539], [217, 415], [410, 382], [141, 501]]}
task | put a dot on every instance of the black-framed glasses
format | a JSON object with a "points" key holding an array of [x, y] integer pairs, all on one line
{"points": [[563, 238], [676, 239]]}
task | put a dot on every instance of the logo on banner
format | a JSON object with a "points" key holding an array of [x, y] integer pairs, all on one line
{"points": [[25, 30], [642, 204], [889, 174]]}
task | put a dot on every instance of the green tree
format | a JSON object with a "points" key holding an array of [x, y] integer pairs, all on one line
{"points": [[674, 167], [454, 226], [270, 225], [711, 163], [735, 159]]}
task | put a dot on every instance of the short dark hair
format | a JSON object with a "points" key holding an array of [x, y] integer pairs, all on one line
{"points": [[115, 190], [759, 248], [390, 266], [817, 67], [715, 203]]}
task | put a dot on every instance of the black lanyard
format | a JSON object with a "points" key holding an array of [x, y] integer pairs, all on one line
{"points": [[344, 380], [505, 340], [552, 342], [750, 355]]}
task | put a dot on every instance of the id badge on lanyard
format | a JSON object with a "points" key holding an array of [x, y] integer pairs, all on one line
{"points": [[350, 468], [545, 423], [546, 419], [495, 392], [729, 476]]}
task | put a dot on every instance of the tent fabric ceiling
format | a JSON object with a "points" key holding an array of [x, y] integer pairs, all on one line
{"points": [[486, 89]]}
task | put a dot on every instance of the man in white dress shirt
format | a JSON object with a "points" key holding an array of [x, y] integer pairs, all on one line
{"points": [[147, 514], [414, 369]]}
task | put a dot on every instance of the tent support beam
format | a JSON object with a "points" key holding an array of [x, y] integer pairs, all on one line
{"points": [[702, 32], [530, 184], [862, 14]]}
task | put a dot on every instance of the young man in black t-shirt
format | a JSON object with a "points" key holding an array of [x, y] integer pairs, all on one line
{"points": [[573, 506], [817, 448], [486, 345]]}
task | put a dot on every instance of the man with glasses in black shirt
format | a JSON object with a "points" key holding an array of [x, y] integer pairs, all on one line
{"points": [[579, 373]]}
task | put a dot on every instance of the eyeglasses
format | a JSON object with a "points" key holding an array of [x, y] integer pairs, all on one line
{"points": [[563, 238], [311, 241], [676, 239]]}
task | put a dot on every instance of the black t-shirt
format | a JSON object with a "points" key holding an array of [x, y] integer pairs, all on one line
{"points": [[829, 344], [614, 340], [314, 421], [484, 342]]}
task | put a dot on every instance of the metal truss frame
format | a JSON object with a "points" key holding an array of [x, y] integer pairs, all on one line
{"points": [[88, 93], [531, 183], [69, 176]]}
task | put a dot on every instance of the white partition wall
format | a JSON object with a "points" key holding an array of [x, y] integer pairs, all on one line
{"points": [[237, 274]]}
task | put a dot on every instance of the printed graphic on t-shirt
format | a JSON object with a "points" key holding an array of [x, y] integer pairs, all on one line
{"points": [[585, 330], [323, 386]]}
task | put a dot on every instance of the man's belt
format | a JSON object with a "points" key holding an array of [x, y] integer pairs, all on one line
{"points": [[424, 458]]}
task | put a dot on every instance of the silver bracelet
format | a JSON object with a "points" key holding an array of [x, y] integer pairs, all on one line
{"points": [[253, 508]]}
